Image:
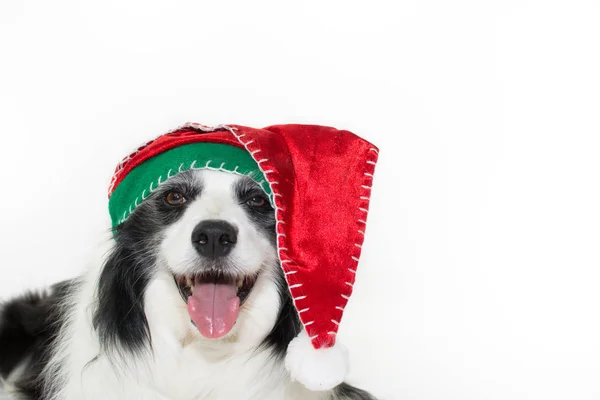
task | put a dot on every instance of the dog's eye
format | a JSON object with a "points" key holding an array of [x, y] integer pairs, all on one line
{"points": [[257, 201], [175, 198]]}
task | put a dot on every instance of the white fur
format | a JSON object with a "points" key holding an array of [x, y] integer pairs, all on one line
{"points": [[182, 365], [321, 369]]}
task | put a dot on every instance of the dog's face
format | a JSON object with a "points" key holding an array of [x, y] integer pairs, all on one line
{"points": [[213, 235], [217, 248]]}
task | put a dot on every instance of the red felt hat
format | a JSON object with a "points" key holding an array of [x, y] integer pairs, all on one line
{"points": [[320, 180]]}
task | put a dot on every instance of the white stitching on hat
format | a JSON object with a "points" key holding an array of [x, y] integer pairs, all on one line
{"points": [[335, 322], [122, 163], [160, 181], [290, 272], [297, 285], [300, 298], [309, 323], [365, 197], [303, 310], [254, 152], [339, 308]]}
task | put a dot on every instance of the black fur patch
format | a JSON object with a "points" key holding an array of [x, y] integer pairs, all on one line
{"points": [[347, 392], [28, 328], [288, 323], [119, 319], [264, 216]]}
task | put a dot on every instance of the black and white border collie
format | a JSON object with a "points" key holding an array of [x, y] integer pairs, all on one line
{"points": [[123, 329]]}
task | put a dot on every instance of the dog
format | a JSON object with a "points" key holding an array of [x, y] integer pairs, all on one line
{"points": [[188, 302]]}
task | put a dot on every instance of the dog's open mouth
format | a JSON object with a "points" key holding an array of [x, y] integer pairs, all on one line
{"points": [[214, 301]]}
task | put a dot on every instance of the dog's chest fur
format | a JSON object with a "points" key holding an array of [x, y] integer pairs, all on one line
{"points": [[182, 366], [187, 375], [243, 376]]}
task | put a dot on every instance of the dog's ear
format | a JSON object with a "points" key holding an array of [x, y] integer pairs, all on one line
{"points": [[119, 316]]}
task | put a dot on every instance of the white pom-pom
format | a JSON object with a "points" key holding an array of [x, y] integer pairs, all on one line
{"points": [[321, 369]]}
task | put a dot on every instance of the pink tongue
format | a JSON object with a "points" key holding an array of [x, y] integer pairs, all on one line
{"points": [[214, 307]]}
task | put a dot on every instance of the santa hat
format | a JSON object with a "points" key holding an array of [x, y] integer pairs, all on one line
{"points": [[319, 181]]}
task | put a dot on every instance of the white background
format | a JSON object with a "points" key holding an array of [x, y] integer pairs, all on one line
{"points": [[481, 272]]}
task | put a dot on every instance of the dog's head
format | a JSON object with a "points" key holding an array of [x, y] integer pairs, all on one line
{"points": [[197, 257]]}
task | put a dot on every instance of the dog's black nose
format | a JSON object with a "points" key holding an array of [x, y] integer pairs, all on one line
{"points": [[214, 238]]}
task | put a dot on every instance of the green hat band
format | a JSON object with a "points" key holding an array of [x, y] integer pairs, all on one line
{"points": [[148, 176]]}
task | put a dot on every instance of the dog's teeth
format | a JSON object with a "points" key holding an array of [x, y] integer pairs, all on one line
{"points": [[240, 283], [189, 282]]}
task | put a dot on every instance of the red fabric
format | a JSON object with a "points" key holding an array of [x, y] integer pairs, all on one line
{"points": [[321, 178]]}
